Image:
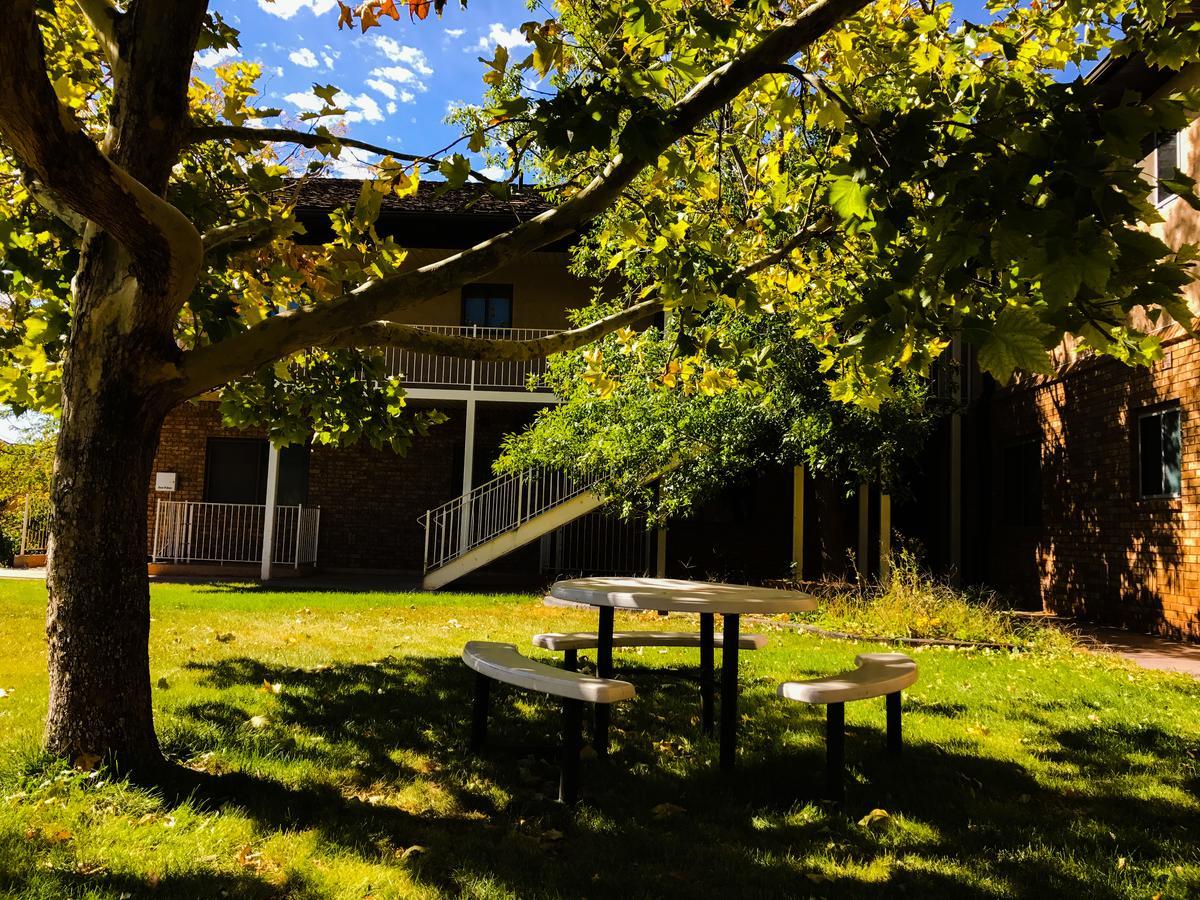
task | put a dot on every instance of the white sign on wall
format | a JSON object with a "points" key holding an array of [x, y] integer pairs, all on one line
{"points": [[164, 481]]}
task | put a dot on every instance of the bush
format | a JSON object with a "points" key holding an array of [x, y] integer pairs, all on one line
{"points": [[915, 604]]}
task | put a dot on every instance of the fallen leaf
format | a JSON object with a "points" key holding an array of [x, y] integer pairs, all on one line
{"points": [[87, 762], [258, 721], [58, 836], [874, 816], [3, 693], [414, 850], [552, 834], [666, 809], [225, 637], [268, 688]]}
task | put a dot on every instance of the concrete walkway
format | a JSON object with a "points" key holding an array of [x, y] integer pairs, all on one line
{"points": [[1147, 650], [24, 573]]}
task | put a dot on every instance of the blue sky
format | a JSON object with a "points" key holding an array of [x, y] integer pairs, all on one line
{"points": [[397, 80]]}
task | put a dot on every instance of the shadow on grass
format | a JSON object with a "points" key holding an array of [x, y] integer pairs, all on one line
{"points": [[658, 820]]}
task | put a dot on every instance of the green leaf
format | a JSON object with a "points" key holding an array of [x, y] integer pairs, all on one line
{"points": [[849, 198], [1016, 342]]}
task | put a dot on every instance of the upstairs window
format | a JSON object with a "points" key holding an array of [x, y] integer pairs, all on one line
{"points": [[1022, 474], [1160, 453], [487, 305], [1166, 166]]}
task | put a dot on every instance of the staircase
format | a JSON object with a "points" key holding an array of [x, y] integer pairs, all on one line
{"points": [[498, 517]]}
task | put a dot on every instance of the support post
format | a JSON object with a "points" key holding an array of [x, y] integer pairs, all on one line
{"points": [[157, 522], [706, 672], [956, 455], [885, 537], [798, 522], [479, 711], [299, 532], [895, 736], [571, 660], [568, 779], [604, 669], [729, 692], [468, 471], [660, 554], [835, 751], [864, 533], [269, 511], [25, 527]]}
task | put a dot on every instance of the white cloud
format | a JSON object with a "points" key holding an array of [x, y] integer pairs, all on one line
{"points": [[210, 59], [328, 60], [455, 32], [304, 57], [391, 108], [384, 87], [400, 53], [505, 37], [496, 173], [407, 96], [400, 75], [351, 165], [279, 71], [285, 9], [358, 108]]}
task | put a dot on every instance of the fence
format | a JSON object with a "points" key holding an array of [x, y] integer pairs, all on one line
{"points": [[188, 531], [434, 370], [35, 527]]}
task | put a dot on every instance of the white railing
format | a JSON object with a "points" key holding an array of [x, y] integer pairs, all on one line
{"points": [[493, 508], [434, 370], [187, 531], [35, 527], [599, 543]]}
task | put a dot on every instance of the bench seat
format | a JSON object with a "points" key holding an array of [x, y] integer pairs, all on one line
{"points": [[874, 675], [589, 640], [492, 661], [503, 662]]}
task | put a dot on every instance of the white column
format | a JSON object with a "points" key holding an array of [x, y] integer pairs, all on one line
{"points": [[798, 522], [464, 525], [269, 512], [864, 532], [25, 527]]}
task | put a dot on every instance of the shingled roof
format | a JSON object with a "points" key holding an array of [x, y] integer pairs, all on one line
{"points": [[431, 199]]}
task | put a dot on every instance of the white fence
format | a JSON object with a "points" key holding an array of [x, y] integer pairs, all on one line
{"points": [[434, 370], [599, 543], [493, 508], [35, 527], [187, 531]]}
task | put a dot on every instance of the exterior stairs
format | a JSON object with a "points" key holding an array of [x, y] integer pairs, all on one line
{"points": [[498, 517]]}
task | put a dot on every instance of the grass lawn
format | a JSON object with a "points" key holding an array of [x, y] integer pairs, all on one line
{"points": [[324, 740]]}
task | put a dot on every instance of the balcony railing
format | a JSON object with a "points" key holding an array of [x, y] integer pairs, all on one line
{"points": [[232, 533], [434, 370]]}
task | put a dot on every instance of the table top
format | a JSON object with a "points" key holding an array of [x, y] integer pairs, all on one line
{"points": [[671, 595]]}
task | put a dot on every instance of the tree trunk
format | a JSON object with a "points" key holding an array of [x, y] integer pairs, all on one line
{"points": [[98, 619]]}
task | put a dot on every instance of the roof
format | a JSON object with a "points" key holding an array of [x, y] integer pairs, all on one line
{"points": [[431, 198]]}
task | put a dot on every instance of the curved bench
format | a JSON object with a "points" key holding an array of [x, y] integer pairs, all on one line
{"points": [[876, 675], [492, 661]]}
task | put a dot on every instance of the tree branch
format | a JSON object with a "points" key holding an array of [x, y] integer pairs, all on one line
{"points": [[47, 201], [245, 235], [104, 17], [207, 367], [413, 337], [311, 139], [49, 142]]}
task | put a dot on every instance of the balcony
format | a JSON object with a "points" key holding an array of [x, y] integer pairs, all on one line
{"points": [[428, 374], [190, 532]]}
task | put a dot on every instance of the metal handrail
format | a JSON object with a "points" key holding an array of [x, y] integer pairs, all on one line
{"points": [[191, 531], [495, 507], [433, 369]]}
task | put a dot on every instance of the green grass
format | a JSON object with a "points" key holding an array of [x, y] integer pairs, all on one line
{"points": [[1037, 774]]}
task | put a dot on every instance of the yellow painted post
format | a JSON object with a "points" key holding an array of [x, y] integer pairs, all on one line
{"points": [[864, 532], [885, 537], [798, 522]]}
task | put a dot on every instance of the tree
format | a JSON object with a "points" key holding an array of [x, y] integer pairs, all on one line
{"points": [[880, 181]]}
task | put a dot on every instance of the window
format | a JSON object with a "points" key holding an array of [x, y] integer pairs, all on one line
{"points": [[235, 471], [1022, 485], [1166, 166], [1160, 454], [487, 305]]}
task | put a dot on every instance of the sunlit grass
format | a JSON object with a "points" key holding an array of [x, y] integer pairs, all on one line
{"points": [[321, 739]]}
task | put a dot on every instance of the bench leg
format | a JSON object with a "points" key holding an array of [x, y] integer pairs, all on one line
{"points": [[895, 737], [706, 672], [729, 692], [571, 660], [479, 711], [604, 669], [835, 750], [568, 779]]}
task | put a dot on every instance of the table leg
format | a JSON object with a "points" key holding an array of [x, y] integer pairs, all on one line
{"points": [[706, 671], [604, 669], [729, 693]]}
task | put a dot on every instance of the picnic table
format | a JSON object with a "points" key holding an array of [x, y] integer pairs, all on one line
{"points": [[706, 599]]}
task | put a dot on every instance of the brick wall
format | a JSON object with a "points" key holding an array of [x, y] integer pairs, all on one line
{"points": [[1101, 552]]}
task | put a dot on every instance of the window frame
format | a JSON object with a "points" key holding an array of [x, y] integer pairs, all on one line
{"points": [[1159, 411], [1157, 188], [487, 292]]}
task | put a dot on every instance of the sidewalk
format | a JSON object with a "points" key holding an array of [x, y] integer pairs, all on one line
{"points": [[1147, 650], [39, 572]]}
